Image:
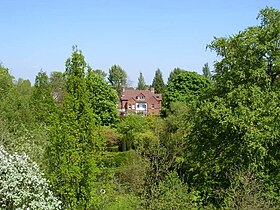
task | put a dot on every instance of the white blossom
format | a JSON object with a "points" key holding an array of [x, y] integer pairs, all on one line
{"points": [[22, 185]]}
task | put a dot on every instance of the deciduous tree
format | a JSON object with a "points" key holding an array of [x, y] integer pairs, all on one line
{"points": [[117, 78], [103, 99]]}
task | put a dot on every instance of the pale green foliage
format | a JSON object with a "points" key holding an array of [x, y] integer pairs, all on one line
{"points": [[125, 201], [22, 185], [100, 73], [246, 192], [172, 193], [141, 82], [76, 143], [6, 80], [42, 100], [57, 84], [117, 78]]}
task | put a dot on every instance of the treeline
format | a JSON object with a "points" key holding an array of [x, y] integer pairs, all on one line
{"points": [[215, 145]]}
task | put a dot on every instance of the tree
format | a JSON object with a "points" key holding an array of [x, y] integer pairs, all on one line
{"points": [[158, 82], [75, 145], [206, 71], [42, 99], [57, 83], [103, 99], [251, 56], [185, 86], [100, 73], [22, 184], [173, 73], [24, 87], [117, 78], [6, 80], [141, 82], [237, 125]]}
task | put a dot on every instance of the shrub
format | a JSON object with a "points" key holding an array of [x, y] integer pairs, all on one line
{"points": [[22, 185]]}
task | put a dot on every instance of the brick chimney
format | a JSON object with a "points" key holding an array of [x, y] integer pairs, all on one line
{"points": [[152, 90]]}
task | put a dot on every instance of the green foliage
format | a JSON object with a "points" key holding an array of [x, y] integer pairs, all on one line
{"points": [[103, 99], [237, 126], [250, 57], [239, 129], [100, 73], [186, 87], [57, 83], [206, 71], [129, 127], [24, 87], [75, 147], [22, 185], [173, 73], [6, 80], [246, 192], [172, 193], [117, 78], [141, 82], [158, 82], [42, 100], [125, 201]]}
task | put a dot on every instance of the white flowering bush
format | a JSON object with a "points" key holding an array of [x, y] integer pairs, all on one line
{"points": [[22, 185]]}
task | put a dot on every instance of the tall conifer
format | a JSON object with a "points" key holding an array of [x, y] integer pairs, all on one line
{"points": [[75, 146]]}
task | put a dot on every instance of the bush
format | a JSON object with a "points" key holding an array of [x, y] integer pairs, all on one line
{"points": [[22, 185]]}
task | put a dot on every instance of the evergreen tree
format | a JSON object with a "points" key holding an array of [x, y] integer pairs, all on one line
{"points": [[141, 82], [158, 82], [75, 145], [206, 71]]}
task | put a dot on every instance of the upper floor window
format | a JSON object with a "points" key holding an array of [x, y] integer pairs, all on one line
{"points": [[152, 106], [129, 106], [140, 97]]}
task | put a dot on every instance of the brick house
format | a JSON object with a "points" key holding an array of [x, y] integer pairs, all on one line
{"points": [[140, 101]]}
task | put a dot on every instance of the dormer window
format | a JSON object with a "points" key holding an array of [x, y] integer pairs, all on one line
{"points": [[140, 97]]}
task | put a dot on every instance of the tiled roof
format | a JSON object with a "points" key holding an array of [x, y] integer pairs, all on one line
{"points": [[127, 94]]}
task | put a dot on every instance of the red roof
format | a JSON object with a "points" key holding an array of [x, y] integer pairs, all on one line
{"points": [[127, 94]]}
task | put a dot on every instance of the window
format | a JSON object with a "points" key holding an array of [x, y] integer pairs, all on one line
{"points": [[140, 97], [152, 106], [129, 106]]}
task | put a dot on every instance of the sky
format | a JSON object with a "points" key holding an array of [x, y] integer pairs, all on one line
{"points": [[138, 35]]}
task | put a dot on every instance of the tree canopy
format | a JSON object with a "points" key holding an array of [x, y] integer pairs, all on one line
{"points": [[185, 86], [158, 83], [117, 78], [141, 82]]}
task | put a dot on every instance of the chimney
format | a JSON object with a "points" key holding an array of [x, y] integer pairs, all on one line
{"points": [[152, 90]]}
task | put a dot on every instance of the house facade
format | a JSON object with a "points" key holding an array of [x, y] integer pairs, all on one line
{"points": [[140, 101]]}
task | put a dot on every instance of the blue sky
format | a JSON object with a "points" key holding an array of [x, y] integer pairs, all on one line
{"points": [[140, 36]]}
